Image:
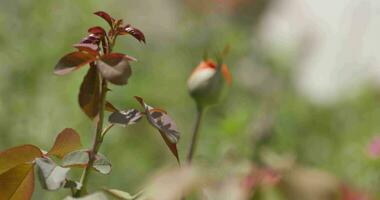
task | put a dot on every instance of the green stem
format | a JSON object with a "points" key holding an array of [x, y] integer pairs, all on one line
{"points": [[97, 140], [195, 134]]}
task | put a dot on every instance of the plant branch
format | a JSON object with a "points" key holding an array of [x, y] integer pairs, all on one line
{"points": [[195, 134], [97, 140]]}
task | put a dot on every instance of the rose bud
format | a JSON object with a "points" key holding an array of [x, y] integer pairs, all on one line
{"points": [[207, 82]]}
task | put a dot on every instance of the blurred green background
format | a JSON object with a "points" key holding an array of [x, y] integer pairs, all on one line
{"points": [[263, 108]]}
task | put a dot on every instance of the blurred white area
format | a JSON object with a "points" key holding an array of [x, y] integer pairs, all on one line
{"points": [[337, 44]]}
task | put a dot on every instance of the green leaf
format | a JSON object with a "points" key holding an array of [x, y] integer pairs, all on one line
{"points": [[115, 68], [81, 158], [89, 94], [67, 141], [95, 196], [119, 194], [72, 61], [12, 157], [51, 176], [102, 164], [17, 183], [78, 158]]}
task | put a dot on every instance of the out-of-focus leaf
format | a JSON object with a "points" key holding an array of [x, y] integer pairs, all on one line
{"points": [[17, 183], [72, 61], [172, 184], [89, 94], [165, 125], [18, 155], [95, 196], [110, 107], [136, 33], [102, 164], [106, 17], [51, 176], [125, 117], [119, 194], [115, 68], [76, 158], [67, 141]]}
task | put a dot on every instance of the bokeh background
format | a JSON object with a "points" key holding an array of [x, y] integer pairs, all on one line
{"points": [[306, 82]]}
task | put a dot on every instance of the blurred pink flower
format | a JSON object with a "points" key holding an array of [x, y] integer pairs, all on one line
{"points": [[374, 147]]}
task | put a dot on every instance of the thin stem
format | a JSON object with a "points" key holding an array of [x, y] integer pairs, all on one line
{"points": [[97, 140], [195, 134], [104, 132]]}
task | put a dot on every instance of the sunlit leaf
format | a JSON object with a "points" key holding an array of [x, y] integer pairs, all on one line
{"points": [[95, 196], [119, 194], [165, 125], [115, 68], [18, 155], [17, 183], [125, 117], [102, 164], [89, 94], [78, 158], [67, 141], [136, 33], [51, 176], [72, 61], [106, 17]]}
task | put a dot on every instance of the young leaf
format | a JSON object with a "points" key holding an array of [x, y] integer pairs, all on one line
{"points": [[67, 141], [87, 47], [72, 61], [106, 17], [17, 183], [102, 164], [166, 126], [125, 117], [51, 176], [76, 158], [136, 33], [115, 68], [18, 155], [119, 194], [97, 30], [89, 94]]}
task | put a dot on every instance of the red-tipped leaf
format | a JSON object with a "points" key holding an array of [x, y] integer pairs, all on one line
{"points": [[89, 94], [72, 61], [67, 141]]}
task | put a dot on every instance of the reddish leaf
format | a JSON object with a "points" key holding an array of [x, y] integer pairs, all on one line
{"points": [[165, 125], [89, 94], [12, 157], [87, 47], [136, 33], [115, 68], [106, 17], [67, 141], [17, 183], [72, 61], [97, 30]]}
